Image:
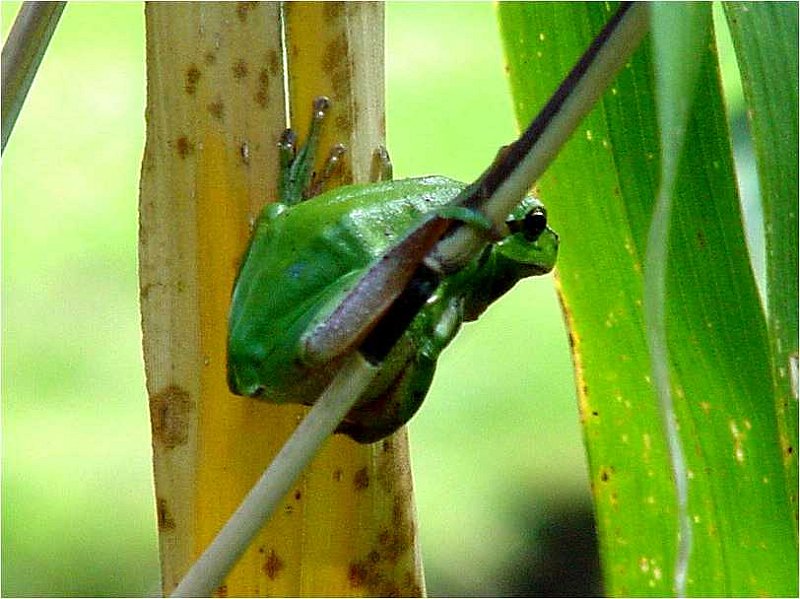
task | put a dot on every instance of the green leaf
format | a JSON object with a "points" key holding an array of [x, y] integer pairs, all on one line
{"points": [[600, 194], [680, 32], [765, 38]]}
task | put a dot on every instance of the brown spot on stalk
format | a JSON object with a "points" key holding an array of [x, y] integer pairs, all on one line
{"points": [[192, 78], [170, 412], [240, 69], [361, 479], [184, 147], [272, 565]]}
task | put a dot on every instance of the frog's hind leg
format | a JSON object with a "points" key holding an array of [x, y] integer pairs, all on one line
{"points": [[381, 167], [298, 181], [382, 416]]}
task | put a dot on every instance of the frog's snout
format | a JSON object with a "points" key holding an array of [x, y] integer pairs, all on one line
{"points": [[243, 380]]}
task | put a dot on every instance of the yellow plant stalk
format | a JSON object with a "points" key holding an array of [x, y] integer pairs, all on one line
{"points": [[215, 111]]}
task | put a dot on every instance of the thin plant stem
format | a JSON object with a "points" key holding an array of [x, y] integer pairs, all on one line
{"points": [[22, 54], [519, 165]]}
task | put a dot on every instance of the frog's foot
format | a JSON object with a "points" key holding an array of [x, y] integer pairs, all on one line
{"points": [[333, 164], [298, 181], [473, 218], [381, 167]]}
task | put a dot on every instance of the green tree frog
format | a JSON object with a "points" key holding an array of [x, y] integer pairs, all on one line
{"points": [[310, 249]]}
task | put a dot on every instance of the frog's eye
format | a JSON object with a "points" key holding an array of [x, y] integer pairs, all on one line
{"points": [[531, 225]]}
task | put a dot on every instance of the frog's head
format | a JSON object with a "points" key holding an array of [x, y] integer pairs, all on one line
{"points": [[530, 249], [532, 246]]}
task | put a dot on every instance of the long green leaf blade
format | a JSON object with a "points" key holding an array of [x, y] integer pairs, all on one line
{"points": [[679, 33], [600, 194], [765, 37]]}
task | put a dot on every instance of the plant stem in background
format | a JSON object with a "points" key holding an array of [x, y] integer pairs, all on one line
{"points": [[22, 54], [215, 113]]}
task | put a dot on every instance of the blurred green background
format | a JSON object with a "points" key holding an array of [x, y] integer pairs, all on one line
{"points": [[497, 454]]}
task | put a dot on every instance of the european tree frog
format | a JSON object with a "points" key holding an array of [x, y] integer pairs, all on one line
{"points": [[307, 253]]}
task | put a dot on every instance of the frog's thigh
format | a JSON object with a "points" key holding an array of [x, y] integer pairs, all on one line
{"points": [[379, 417], [373, 291], [382, 416], [322, 322]]}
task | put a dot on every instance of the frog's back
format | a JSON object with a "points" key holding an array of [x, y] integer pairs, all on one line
{"points": [[303, 260], [376, 214]]}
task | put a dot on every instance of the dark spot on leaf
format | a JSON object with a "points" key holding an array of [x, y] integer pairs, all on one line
{"points": [[399, 511], [217, 109], [262, 91], [333, 10], [594, 412], [335, 53], [392, 544], [210, 58], [192, 77], [701, 238], [337, 475], [184, 147], [165, 520], [274, 61], [357, 574], [605, 474], [221, 591], [335, 62], [243, 9], [297, 495], [240, 69], [272, 565], [170, 411], [361, 479]]}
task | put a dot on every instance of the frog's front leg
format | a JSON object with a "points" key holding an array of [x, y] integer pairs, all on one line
{"points": [[298, 181]]}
